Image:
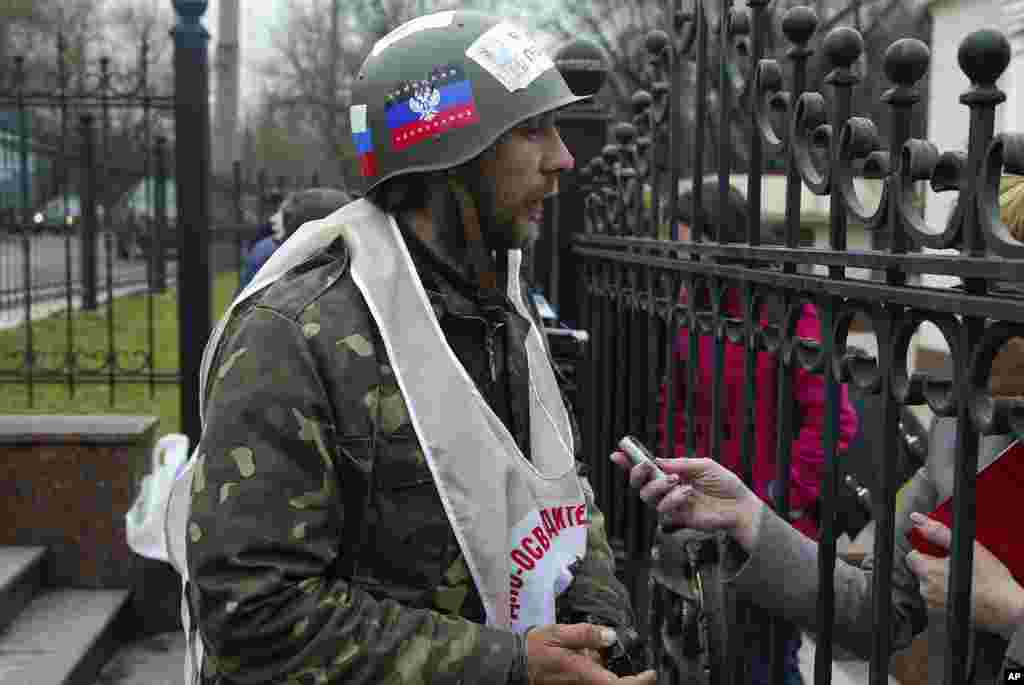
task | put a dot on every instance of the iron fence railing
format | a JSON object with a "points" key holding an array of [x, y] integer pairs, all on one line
{"points": [[89, 213], [634, 268]]}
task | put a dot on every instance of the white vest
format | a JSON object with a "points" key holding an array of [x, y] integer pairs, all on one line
{"points": [[520, 525]]}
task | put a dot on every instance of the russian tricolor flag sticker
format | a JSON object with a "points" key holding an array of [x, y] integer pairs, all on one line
{"points": [[362, 137]]}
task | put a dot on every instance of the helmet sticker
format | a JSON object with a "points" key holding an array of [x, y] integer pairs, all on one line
{"points": [[510, 56], [363, 139], [438, 20], [443, 101]]}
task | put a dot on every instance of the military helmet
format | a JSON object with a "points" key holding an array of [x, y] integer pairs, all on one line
{"points": [[442, 88]]}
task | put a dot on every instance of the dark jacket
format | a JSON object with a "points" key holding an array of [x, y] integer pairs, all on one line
{"points": [[255, 258], [318, 544]]}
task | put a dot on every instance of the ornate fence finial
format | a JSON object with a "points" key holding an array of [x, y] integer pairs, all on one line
{"points": [[906, 62], [583, 66], [189, 11], [984, 56], [843, 46], [799, 25], [189, 27], [656, 41]]}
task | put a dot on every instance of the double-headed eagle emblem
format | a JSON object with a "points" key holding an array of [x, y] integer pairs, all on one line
{"points": [[425, 101]]}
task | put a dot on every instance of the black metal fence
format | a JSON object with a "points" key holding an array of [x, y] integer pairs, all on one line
{"points": [[632, 269], [89, 201]]}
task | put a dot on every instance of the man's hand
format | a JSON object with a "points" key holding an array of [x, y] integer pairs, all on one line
{"points": [[698, 493], [561, 654], [997, 600]]}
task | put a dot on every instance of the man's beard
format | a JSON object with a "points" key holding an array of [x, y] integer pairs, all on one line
{"points": [[501, 228], [507, 232]]}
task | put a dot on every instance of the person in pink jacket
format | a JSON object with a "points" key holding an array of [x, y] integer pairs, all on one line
{"points": [[807, 453]]}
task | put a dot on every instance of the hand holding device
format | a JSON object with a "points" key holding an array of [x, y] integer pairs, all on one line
{"points": [[639, 454]]}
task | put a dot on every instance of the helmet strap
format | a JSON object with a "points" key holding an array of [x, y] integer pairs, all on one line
{"points": [[482, 265]]}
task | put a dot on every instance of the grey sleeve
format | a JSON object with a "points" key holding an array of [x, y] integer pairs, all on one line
{"points": [[1015, 651], [781, 575]]}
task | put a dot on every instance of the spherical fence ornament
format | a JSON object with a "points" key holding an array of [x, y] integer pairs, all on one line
{"points": [[843, 46], [984, 56], [583, 66], [906, 61], [640, 101], [656, 42], [799, 24], [624, 133]]}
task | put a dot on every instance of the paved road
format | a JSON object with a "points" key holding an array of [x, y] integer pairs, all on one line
{"points": [[51, 255]]}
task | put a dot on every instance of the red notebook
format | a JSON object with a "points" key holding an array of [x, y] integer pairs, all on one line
{"points": [[999, 486]]}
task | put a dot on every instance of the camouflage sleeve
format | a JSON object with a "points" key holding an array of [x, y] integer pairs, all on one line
{"points": [[266, 530], [596, 591]]}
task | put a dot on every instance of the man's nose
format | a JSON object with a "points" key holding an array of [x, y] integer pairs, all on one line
{"points": [[560, 159]]}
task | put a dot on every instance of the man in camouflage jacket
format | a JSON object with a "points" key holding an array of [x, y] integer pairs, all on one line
{"points": [[318, 547]]}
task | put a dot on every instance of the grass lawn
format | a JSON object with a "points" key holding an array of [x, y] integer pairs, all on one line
{"points": [[131, 338]]}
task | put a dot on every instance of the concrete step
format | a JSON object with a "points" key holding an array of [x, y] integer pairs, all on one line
{"points": [[156, 660], [21, 577], [63, 637]]}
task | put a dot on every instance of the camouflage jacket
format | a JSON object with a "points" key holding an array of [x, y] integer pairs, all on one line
{"points": [[319, 550]]}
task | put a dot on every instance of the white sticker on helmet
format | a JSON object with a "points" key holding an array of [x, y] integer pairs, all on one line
{"points": [[438, 20], [510, 56]]}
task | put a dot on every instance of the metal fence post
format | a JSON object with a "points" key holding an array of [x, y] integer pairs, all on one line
{"points": [[236, 198], [160, 216], [192, 151], [25, 193], [89, 218], [584, 129]]}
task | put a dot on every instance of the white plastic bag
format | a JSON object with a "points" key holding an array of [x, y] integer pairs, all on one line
{"points": [[144, 522]]}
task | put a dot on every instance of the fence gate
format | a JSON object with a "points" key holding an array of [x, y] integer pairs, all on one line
{"points": [[641, 284]]}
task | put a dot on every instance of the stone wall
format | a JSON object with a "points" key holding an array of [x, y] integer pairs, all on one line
{"points": [[66, 483]]}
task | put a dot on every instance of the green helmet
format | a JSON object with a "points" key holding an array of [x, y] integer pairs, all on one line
{"points": [[442, 88]]}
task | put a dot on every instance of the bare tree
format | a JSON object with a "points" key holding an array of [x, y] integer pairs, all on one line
{"points": [[136, 23], [29, 29]]}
